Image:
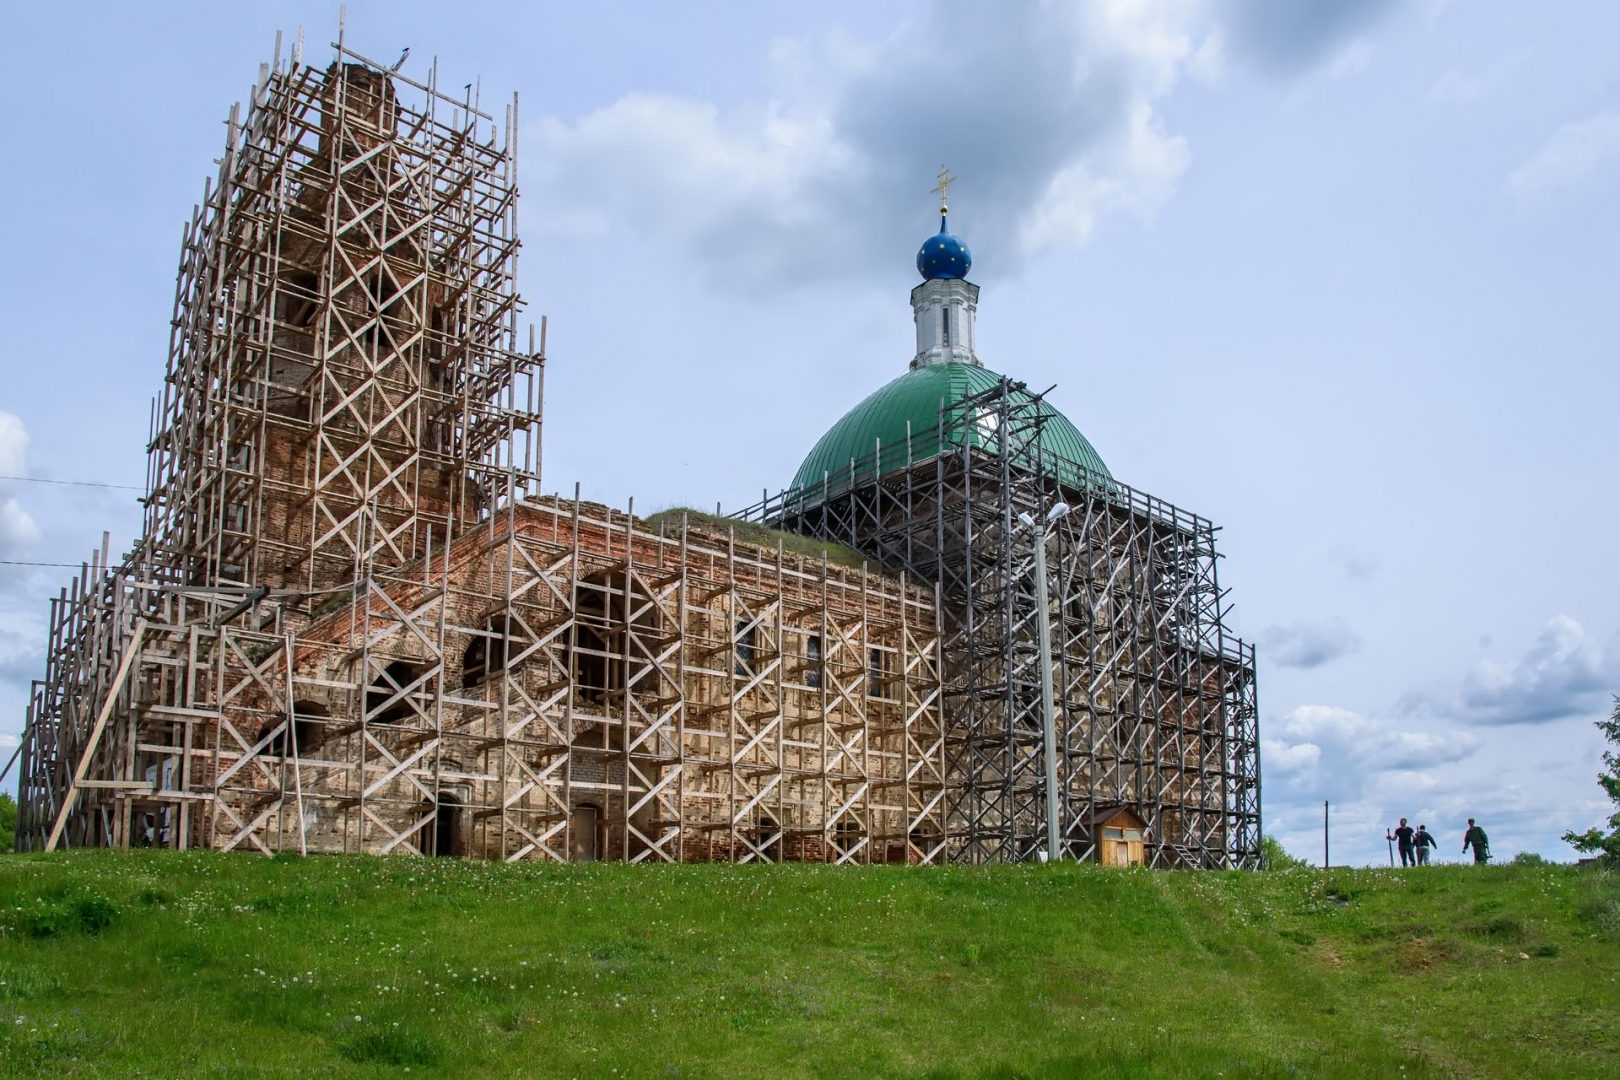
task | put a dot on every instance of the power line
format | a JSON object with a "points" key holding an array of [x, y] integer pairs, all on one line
{"points": [[17, 562], [75, 483]]}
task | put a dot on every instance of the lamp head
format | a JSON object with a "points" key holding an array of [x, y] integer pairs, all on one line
{"points": [[1057, 513], [1026, 521]]}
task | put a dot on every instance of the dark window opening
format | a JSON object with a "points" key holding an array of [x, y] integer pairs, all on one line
{"points": [[298, 298], [812, 667], [395, 677], [846, 835], [307, 730], [925, 837], [877, 679], [599, 639], [767, 832], [744, 644], [489, 653], [945, 323], [593, 638]]}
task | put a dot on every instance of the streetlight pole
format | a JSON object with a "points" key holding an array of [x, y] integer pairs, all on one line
{"points": [[1043, 625]]}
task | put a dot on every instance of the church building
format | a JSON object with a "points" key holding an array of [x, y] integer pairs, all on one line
{"points": [[353, 622]]}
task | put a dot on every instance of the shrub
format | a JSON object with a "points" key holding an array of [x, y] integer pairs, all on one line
{"points": [[8, 823], [1600, 906], [1605, 845], [1273, 856], [85, 913]]}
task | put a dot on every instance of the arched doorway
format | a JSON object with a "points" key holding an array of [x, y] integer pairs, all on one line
{"points": [[447, 826], [585, 844]]}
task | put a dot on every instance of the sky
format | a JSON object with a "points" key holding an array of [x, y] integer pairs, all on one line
{"points": [[1339, 276]]}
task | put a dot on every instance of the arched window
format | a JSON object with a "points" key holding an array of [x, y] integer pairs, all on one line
{"points": [[598, 642], [308, 730], [395, 678], [488, 653]]}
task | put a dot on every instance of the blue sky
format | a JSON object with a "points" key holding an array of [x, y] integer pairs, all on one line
{"points": [[1339, 276]]}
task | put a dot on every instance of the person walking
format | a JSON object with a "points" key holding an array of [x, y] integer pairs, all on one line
{"points": [[1424, 839], [1475, 837], [1403, 840]]}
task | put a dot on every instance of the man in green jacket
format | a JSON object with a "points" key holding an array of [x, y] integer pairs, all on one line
{"points": [[1475, 837]]}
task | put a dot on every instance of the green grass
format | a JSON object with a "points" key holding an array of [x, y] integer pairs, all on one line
{"points": [[205, 965]]}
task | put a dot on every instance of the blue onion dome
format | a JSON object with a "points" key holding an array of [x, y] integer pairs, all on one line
{"points": [[943, 257]]}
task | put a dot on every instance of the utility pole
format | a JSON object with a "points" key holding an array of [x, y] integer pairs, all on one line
{"points": [[1043, 625], [1324, 834]]}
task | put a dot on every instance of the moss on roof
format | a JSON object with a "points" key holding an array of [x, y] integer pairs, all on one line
{"points": [[762, 536]]}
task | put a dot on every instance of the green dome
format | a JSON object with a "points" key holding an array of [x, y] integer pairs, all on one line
{"points": [[880, 421]]}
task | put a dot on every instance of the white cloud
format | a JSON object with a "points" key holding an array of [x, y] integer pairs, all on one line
{"points": [[1308, 645], [18, 532], [1576, 151], [1350, 737], [1048, 113], [1564, 673], [1327, 752], [1290, 759]]}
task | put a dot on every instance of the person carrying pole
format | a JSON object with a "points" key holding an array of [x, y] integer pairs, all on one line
{"points": [[1403, 840], [1475, 837], [1424, 839]]}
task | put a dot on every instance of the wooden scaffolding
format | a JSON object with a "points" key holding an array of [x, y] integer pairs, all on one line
{"points": [[353, 625], [350, 625], [1155, 698]]}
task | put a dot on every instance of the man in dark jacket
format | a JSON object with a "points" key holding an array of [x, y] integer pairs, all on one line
{"points": [[1475, 837], [1403, 840], [1424, 839]]}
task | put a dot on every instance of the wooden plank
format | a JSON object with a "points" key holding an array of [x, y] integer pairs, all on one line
{"points": [[95, 734]]}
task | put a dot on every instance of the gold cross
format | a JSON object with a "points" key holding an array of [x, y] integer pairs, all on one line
{"points": [[945, 181]]}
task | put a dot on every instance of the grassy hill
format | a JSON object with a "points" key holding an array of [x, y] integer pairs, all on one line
{"points": [[206, 965]]}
